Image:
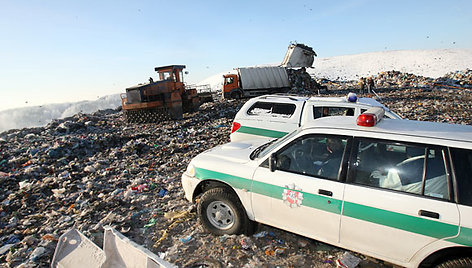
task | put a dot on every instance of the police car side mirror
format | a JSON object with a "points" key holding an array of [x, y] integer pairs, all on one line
{"points": [[272, 162]]}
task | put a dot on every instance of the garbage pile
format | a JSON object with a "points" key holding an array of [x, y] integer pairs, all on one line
{"points": [[431, 104], [398, 80], [459, 79], [302, 82], [94, 170]]}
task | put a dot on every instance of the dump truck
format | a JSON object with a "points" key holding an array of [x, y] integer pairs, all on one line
{"points": [[154, 101], [256, 81]]}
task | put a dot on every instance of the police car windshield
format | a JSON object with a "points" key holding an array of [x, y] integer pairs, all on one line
{"points": [[273, 144]]}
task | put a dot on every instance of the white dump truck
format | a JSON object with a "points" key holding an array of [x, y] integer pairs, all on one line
{"points": [[255, 81]]}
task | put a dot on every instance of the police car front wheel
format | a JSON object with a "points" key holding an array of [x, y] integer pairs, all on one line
{"points": [[221, 212], [456, 263]]}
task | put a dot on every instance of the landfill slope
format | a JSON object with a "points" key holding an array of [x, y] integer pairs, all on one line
{"points": [[92, 170], [431, 63]]}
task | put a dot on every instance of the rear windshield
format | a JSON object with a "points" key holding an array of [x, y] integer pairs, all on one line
{"points": [[272, 109]]}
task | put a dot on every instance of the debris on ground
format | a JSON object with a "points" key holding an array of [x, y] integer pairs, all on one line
{"points": [[94, 170]]}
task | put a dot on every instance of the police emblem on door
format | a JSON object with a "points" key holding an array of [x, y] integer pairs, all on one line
{"points": [[292, 197]]}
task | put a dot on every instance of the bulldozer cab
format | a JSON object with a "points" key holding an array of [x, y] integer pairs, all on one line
{"points": [[171, 72], [174, 74]]}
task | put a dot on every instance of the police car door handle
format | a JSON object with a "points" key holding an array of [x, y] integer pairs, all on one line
{"points": [[429, 214], [325, 192]]}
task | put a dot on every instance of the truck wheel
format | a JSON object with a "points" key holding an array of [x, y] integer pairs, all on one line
{"points": [[221, 212], [456, 263], [236, 95]]}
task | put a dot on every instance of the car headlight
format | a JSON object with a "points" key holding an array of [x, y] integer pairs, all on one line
{"points": [[190, 170]]}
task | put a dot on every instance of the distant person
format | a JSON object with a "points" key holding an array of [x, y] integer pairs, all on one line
{"points": [[370, 84], [361, 85], [151, 80]]}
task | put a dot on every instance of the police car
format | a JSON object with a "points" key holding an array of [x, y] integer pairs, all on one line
{"points": [[396, 190], [274, 116]]}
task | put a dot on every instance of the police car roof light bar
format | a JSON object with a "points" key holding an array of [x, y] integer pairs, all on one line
{"points": [[370, 117]]}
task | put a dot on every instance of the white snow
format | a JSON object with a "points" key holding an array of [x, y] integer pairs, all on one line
{"points": [[430, 63]]}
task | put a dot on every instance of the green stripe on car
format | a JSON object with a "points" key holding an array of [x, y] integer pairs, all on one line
{"points": [[400, 221], [274, 191], [396, 220], [261, 132]]}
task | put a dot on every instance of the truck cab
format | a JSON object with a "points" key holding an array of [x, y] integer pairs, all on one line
{"points": [[231, 86]]}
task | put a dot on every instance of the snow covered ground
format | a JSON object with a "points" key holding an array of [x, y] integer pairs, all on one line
{"points": [[431, 63]]}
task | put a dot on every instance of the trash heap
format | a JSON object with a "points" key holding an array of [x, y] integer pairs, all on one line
{"points": [[302, 82], [459, 79], [93, 170], [396, 79]]}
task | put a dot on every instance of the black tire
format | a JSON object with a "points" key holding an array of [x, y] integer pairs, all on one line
{"points": [[221, 212], [204, 263], [456, 263], [236, 95]]}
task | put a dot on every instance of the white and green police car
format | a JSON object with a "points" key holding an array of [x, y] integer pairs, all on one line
{"points": [[397, 190], [274, 116]]}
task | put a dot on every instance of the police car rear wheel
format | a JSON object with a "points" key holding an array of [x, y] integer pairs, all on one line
{"points": [[220, 212], [456, 263]]}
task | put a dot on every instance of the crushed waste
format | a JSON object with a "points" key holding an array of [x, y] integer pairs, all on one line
{"points": [[93, 170]]}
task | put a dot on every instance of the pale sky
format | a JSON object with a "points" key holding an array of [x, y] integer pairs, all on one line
{"points": [[60, 51]]}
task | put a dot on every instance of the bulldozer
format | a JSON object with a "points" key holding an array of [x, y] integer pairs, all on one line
{"points": [[155, 101]]}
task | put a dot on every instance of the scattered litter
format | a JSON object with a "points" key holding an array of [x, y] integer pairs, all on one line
{"points": [[348, 261], [92, 170], [260, 234], [185, 239]]}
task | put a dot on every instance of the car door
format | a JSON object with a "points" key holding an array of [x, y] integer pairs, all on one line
{"points": [[462, 166], [303, 194], [397, 199]]}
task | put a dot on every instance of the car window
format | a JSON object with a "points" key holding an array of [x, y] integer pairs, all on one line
{"points": [[272, 109], [407, 168], [278, 142], [319, 156], [462, 164], [323, 111]]}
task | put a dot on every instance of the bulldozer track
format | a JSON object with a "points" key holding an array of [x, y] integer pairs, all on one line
{"points": [[154, 115]]}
